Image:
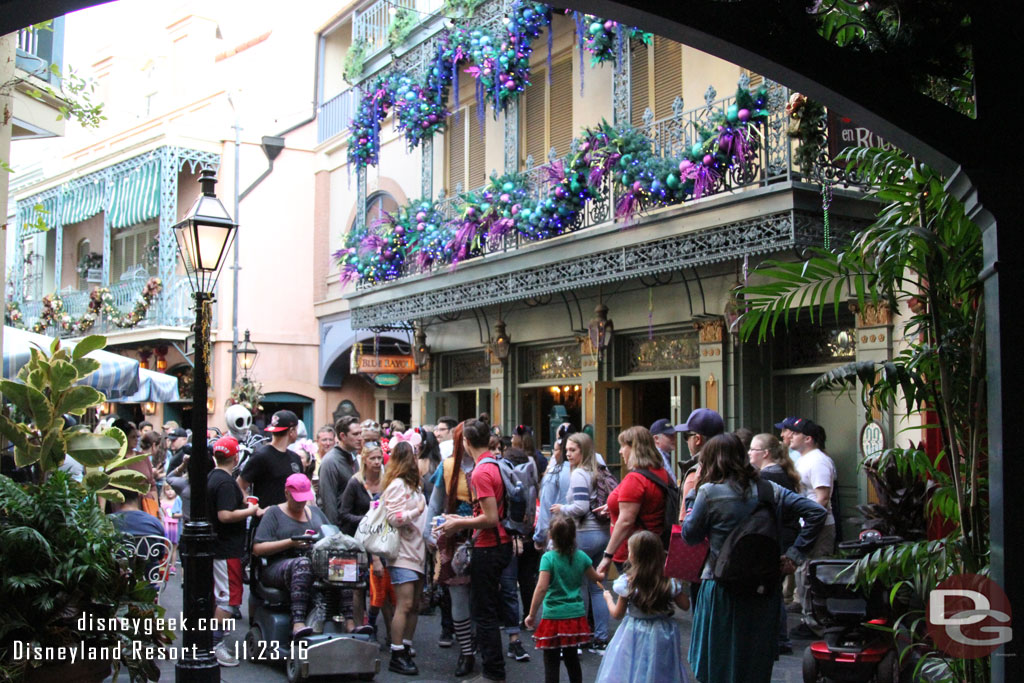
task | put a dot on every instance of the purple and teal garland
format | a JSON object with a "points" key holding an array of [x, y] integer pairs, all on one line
{"points": [[606, 39], [419, 233]]}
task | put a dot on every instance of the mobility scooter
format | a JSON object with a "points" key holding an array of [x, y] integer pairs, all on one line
{"points": [[852, 648], [338, 563]]}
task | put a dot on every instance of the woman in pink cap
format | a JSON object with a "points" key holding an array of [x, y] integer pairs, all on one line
{"points": [[287, 569]]}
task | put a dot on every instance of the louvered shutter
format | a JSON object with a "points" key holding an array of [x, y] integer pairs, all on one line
{"points": [[560, 107], [668, 75], [640, 91], [456, 139], [534, 131], [755, 79], [477, 157]]}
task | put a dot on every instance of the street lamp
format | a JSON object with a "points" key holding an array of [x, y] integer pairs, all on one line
{"points": [[600, 329], [246, 353], [420, 350], [203, 236], [502, 342]]}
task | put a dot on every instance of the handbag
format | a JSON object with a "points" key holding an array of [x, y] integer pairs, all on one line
{"points": [[685, 562], [462, 558], [377, 535]]}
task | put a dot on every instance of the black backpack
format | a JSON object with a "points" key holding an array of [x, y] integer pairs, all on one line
{"points": [[748, 561], [671, 492]]}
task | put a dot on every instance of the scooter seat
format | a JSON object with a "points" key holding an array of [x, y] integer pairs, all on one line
{"points": [[846, 608], [272, 597]]}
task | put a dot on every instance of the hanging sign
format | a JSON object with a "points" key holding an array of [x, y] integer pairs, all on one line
{"points": [[399, 365], [386, 380]]}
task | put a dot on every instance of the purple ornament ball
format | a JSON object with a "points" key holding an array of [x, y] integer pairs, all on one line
{"points": [[609, 25], [504, 198], [685, 165], [399, 230], [708, 159], [421, 216], [743, 115], [510, 84], [637, 186], [421, 226]]}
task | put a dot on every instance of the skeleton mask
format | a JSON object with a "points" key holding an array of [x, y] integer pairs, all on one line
{"points": [[239, 421]]}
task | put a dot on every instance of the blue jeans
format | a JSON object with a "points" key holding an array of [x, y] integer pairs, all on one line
{"points": [[510, 597], [593, 544]]}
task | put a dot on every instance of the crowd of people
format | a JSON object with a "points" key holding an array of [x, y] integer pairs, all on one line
{"points": [[502, 538]]}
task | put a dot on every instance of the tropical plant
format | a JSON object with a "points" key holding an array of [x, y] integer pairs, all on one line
{"points": [[921, 258], [902, 499], [46, 391]]}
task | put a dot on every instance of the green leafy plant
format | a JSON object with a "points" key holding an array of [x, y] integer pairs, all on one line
{"points": [[61, 560], [46, 390], [460, 9], [355, 59], [402, 25], [922, 256]]}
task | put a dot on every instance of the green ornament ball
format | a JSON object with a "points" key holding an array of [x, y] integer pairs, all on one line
{"points": [[697, 149], [732, 114], [672, 181]]}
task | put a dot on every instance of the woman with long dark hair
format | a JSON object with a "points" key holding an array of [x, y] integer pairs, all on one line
{"points": [[725, 621]]}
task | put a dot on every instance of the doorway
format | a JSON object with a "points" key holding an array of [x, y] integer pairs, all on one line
{"points": [[652, 400], [545, 408], [838, 416]]}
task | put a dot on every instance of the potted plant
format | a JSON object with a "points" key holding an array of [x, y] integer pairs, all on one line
{"points": [[63, 565]]}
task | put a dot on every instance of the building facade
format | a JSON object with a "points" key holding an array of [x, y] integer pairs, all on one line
{"points": [[514, 330]]}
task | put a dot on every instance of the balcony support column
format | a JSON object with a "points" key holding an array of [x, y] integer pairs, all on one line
{"points": [[427, 168], [361, 197], [168, 255], [108, 191], [621, 102], [512, 136], [58, 248]]}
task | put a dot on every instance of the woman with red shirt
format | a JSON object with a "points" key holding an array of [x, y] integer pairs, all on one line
{"points": [[637, 503]]}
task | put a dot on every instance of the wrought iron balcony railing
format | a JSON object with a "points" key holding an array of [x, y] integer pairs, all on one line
{"points": [[172, 308], [373, 24], [335, 115], [771, 161]]}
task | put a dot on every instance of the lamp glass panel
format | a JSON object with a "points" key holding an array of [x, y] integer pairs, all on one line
{"points": [[210, 241]]}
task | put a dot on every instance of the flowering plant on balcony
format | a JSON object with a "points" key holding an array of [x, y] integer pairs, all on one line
{"points": [[88, 262], [247, 393], [13, 315]]}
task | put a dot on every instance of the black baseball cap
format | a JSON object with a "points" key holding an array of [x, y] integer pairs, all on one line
{"points": [[282, 421], [177, 433]]}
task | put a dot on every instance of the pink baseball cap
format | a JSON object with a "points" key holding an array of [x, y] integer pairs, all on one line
{"points": [[298, 485]]}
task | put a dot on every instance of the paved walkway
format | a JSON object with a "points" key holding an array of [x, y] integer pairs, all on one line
{"points": [[437, 664]]}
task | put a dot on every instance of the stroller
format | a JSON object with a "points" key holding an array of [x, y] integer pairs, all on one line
{"points": [[851, 650]]}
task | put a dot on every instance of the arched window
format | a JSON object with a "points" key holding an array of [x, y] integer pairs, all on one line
{"points": [[81, 262], [378, 204]]}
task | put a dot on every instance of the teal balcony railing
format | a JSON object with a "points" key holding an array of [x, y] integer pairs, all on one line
{"points": [[40, 49]]}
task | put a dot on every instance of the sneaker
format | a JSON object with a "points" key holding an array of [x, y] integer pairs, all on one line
{"points": [[224, 656], [517, 651], [447, 639], [597, 646]]}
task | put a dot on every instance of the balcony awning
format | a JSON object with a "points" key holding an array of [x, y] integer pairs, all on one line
{"points": [[135, 196], [118, 376], [153, 386], [82, 202]]}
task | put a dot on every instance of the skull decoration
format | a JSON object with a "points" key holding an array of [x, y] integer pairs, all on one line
{"points": [[239, 421]]}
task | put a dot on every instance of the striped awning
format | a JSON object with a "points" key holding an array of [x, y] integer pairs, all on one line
{"points": [[29, 213], [82, 202], [136, 195], [118, 375], [153, 386]]}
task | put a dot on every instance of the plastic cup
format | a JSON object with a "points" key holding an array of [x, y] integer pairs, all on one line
{"points": [[252, 500]]}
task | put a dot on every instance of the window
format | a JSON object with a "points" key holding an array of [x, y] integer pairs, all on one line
{"points": [[656, 78], [377, 205], [134, 247], [466, 150], [756, 80], [546, 118], [81, 253]]}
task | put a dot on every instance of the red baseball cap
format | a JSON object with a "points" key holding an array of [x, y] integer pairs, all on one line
{"points": [[225, 448], [298, 485]]}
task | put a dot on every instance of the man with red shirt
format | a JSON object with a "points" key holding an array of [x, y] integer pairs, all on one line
{"points": [[492, 550]]}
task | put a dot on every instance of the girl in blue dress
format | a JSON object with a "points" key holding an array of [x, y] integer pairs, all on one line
{"points": [[647, 645]]}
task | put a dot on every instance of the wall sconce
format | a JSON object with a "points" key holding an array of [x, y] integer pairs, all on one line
{"points": [[502, 343], [106, 408], [420, 350], [211, 405], [149, 408], [601, 329], [556, 390], [161, 359]]}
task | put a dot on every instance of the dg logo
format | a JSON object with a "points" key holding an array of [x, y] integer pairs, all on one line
{"points": [[969, 616]]}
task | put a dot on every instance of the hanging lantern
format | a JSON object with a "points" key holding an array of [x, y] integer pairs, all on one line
{"points": [[502, 344], [420, 351], [601, 330]]}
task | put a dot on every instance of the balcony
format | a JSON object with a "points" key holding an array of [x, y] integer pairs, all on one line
{"points": [[172, 308], [335, 115], [373, 24], [40, 50], [771, 165]]}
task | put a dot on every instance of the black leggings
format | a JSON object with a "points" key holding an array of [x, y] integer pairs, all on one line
{"points": [[572, 665]]}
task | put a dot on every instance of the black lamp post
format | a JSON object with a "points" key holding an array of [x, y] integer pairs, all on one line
{"points": [[203, 236]]}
